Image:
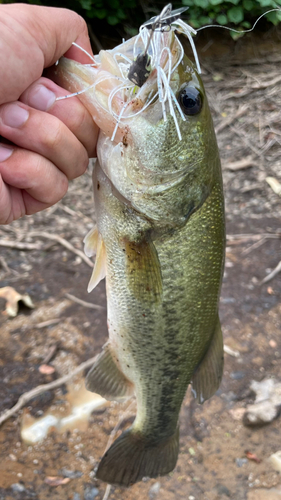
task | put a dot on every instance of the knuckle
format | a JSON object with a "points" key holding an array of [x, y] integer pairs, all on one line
{"points": [[81, 164], [54, 136]]}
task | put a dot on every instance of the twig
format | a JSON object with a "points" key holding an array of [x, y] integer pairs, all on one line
{"points": [[64, 243], [49, 322], [254, 246], [238, 239], [40, 389], [227, 121], [121, 419], [239, 165], [273, 273], [82, 302], [19, 245], [107, 492], [231, 352], [5, 265], [50, 354], [75, 213], [6, 268]]}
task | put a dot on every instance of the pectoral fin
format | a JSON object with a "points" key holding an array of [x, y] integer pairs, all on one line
{"points": [[99, 271], [143, 270], [207, 377], [91, 242], [107, 379]]}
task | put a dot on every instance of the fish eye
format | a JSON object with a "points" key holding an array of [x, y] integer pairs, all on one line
{"points": [[190, 100]]}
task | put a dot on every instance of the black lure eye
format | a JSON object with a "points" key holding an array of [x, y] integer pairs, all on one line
{"points": [[190, 100]]}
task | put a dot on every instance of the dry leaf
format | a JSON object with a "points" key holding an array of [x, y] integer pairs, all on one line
{"points": [[252, 456], [274, 184], [46, 369], [56, 480], [13, 297]]}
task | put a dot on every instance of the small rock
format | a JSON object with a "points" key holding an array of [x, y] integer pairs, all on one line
{"points": [[56, 480], [237, 375], [223, 490], [90, 492], [241, 461], [275, 460], [267, 405], [17, 487], [46, 369], [154, 490], [72, 474], [76, 496]]}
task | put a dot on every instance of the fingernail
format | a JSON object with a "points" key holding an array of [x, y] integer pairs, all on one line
{"points": [[14, 115], [5, 152], [41, 98]]}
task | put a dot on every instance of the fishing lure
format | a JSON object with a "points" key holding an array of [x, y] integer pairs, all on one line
{"points": [[141, 67]]}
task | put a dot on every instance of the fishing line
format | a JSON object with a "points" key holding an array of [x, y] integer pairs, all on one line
{"points": [[238, 31], [85, 51], [153, 42]]}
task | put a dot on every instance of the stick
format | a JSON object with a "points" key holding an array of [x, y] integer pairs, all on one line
{"points": [[107, 492], [239, 165], [5, 265], [230, 351], [64, 243], [19, 245], [82, 302], [40, 389], [237, 239], [273, 273], [227, 121]]}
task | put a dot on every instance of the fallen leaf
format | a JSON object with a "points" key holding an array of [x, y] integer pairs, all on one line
{"points": [[56, 480], [46, 369], [13, 298], [274, 184], [252, 456]]}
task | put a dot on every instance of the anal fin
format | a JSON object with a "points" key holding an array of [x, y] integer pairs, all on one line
{"points": [[207, 377], [106, 379]]}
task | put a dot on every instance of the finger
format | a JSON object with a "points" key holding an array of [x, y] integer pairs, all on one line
{"points": [[45, 135], [41, 95], [28, 183], [36, 37]]}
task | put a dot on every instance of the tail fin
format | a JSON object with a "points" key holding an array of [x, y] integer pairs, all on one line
{"points": [[131, 458]]}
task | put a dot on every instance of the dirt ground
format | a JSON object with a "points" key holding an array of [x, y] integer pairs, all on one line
{"points": [[243, 83]]}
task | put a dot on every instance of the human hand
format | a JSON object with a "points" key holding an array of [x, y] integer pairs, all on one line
{"points": [[51, 141]]}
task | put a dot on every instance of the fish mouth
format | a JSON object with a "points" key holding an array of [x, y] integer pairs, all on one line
{"points": [[128, 97]]}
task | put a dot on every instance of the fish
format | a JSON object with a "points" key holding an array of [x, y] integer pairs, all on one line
{"points": [[159, 241]]}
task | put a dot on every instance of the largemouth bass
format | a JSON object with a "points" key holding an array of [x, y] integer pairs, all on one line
{"points": [[159, 241]]}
